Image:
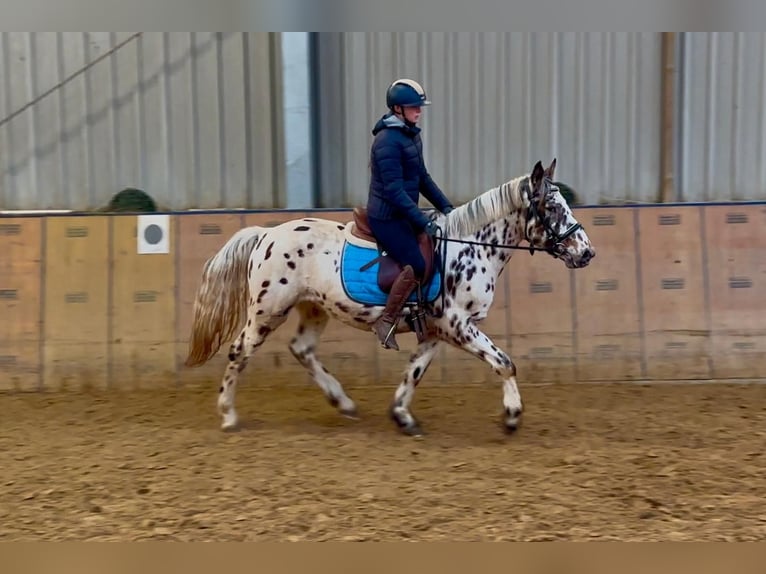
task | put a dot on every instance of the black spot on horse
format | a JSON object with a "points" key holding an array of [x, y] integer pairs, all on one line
{"points": [[416, 374], [268, 251], [261, 295], [266, 283], [310, 246], [300, 253], [283, 281], [287, 256], [451, 284], [341, 227], [264, 330], [291, 264], [302, 228]]}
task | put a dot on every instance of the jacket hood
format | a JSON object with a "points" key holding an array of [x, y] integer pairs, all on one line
{"points": [[389, 120]]}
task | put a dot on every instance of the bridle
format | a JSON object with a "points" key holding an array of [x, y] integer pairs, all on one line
{"points": [[554, 244]]}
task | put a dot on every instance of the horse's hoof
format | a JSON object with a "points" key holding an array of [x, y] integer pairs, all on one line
{"points": [[512, 420], [413, 430], [230, 423]]}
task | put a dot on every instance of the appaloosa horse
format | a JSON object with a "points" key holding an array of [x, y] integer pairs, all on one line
{"points": [[321, 268]]}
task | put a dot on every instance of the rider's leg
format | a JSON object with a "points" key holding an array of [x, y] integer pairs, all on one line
{"points": [[399, 240]]}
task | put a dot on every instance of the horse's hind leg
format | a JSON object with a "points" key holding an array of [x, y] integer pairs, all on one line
{"points": [[416, 368], [251, 337], [313, 320]]}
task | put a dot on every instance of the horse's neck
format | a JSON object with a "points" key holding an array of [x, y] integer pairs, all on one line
{"points": [[504, 232], [495, 217]]}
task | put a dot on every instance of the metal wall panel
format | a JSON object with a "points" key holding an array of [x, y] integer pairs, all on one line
{"points": [[500, 102], [723, 117], [189, 117]]}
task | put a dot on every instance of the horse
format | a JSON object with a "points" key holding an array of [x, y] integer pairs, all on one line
{"points": [[324, 269]]}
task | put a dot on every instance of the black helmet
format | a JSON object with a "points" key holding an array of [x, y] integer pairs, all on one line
{"points": [[406, 92]]}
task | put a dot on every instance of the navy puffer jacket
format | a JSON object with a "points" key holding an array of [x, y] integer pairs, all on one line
{"points": [[399, 174]]}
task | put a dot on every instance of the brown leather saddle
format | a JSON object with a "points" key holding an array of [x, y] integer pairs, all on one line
{"points": [[389, 269]]}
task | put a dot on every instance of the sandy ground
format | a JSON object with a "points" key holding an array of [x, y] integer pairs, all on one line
{"points": [[627, 462]]}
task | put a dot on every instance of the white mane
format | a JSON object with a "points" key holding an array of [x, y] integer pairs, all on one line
{"points": [[492, 205]]}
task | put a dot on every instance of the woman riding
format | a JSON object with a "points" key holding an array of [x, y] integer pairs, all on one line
{"points": [[398, 177]]}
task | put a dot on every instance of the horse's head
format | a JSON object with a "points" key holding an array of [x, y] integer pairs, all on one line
{"points": [[550, 223]]}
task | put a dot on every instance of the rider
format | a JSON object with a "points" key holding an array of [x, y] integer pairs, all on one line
{"points": [[399, 176]]}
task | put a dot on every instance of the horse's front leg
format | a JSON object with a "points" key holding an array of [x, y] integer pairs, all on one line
{"points": [[416, 368], [470, 338]]}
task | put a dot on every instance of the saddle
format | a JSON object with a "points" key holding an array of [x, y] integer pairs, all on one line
{"points": [[389, 269]]}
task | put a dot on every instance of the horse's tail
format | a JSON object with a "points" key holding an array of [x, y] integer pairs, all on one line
{"points": [[222, 297]]}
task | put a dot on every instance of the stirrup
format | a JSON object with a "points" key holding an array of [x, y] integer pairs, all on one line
{"points": [[418, 320], [390, 335]]}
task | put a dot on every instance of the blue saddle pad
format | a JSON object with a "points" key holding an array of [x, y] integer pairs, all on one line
{"points": [[362, 286]]}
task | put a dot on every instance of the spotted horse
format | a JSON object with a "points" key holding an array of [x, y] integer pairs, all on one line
{"points": [[260, 275]]}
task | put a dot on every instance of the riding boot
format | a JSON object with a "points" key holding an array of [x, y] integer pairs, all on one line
{"points": [[385, 326]]}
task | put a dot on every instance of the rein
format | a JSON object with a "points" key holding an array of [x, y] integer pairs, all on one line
{"points": [[553, 242]]}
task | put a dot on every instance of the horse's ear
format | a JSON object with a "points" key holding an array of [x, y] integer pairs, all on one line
{"points": [[550, 170], [537, 175]]}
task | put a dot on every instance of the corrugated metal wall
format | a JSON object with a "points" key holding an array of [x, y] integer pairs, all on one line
{"points": [[500, 102], [191, 118], [196, 119], [723, 116]]}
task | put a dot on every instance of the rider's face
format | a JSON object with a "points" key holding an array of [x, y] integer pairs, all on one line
{"points": [[412, 113]]}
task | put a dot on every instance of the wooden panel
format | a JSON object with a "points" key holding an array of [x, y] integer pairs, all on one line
{"points": [[272, 218], [200, 236], [736, 243], [541, 317], [76, 302], [143, 344], [672, 283], [20, 303], [608, 323]]}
